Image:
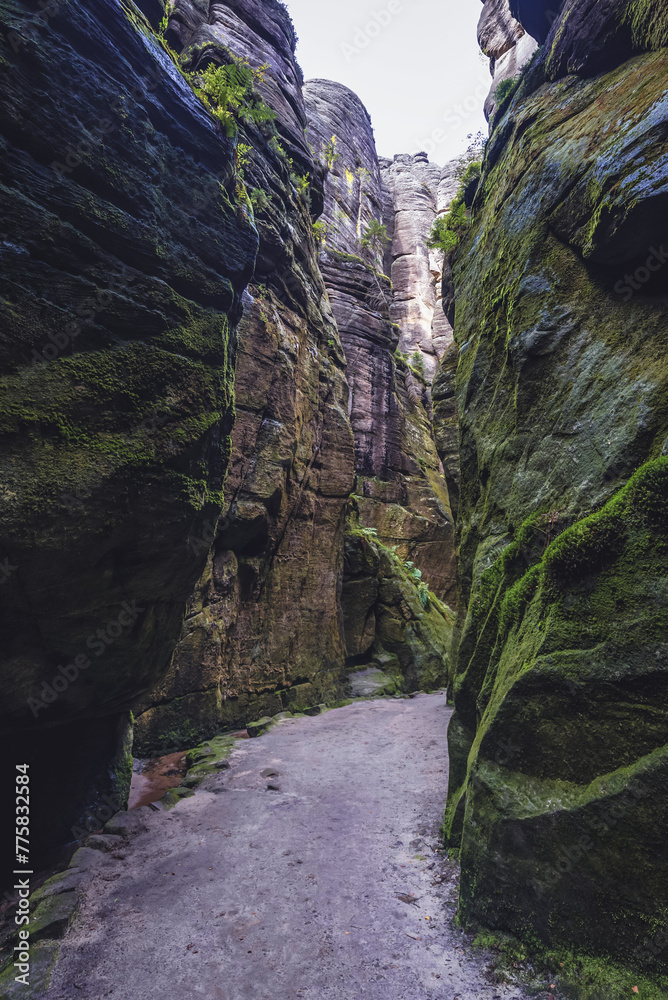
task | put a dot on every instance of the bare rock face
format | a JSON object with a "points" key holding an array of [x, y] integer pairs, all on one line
{"points": [[498, 31], [263, 631], [118, 308], [419, 191], [506, 42], [446, 422], [400, 491]]}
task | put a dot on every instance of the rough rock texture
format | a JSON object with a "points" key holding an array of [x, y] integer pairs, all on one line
{"points": [[419, 192], [117, 306], [445, 422], [507, 44], [263, 628], [538, 16], [386, 622], [559, 742], [400, 491]]}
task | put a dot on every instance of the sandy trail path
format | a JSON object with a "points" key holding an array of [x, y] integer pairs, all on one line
{"points": [[245, 891]]}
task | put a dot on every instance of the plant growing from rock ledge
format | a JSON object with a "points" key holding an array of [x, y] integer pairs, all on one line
{"points": [[260, 200], [375, 238], [473, 154], [448, 229], [320, 232], [417, 363], [164, 23], [229, 94], [301, 182], [506, 89], [330, 153], [275, 145]]}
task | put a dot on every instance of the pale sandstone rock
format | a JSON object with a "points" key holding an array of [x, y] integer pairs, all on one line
{"points": [[507, 44], [400, 490]]}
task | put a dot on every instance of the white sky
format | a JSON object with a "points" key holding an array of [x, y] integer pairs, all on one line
{"points": [[421, 74]]}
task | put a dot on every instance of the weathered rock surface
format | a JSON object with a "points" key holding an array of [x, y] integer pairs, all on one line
{"points": [[262, 630], [400, 491], [559, 743], [117, 311], [507, 43], [388, 621], [419, 192], [446, 422]]}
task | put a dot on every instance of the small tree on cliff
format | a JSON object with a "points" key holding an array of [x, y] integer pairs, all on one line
{"points": [[373, 242], [375, 238]]}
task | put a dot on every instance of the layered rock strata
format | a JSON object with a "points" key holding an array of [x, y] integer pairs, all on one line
{"points": [[118, 308], [400, 492], [263, 631], [419, 191], [559, 742]]}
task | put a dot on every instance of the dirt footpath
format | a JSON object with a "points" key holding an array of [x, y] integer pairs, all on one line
{"points": [[283, 876]]}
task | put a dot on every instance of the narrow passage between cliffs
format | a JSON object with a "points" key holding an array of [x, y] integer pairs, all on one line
{"points": [[310, 867]]}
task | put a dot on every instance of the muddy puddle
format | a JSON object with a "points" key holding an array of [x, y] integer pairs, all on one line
{"points": [[152, 778]]}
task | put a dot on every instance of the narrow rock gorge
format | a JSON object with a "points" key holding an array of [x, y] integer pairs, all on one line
{"points": [[279, 414], [302, 524]]}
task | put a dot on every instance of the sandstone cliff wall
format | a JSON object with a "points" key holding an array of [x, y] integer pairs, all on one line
{"points": [[507, 43], [419, 191], [559, 743], [118, 308], [399, 491], [263, 629]]}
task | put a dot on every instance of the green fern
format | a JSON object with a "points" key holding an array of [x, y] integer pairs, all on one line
{"points": [[228, 92], [302, 183], [320, 232], [259, 199]]}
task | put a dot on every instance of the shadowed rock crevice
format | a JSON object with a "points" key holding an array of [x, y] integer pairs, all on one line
{"points": [[264, 616]]}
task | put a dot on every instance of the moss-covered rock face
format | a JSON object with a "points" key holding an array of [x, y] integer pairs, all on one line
{"points": [[262, 632], [559, 741], [117, 384], [391, 620]]}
